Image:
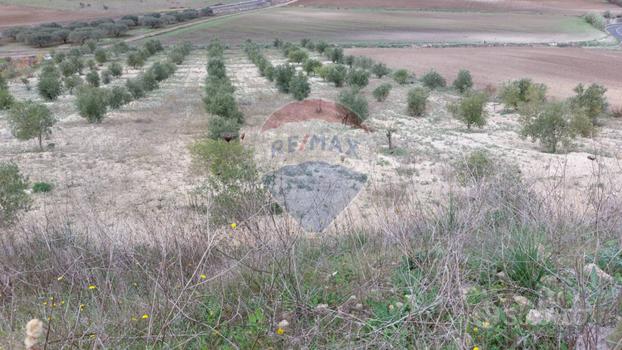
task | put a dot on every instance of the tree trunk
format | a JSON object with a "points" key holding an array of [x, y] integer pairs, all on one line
{"points": [[40, 141]]}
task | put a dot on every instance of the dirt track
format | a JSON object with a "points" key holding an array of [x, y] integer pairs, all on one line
{"points": [[560, 68]]}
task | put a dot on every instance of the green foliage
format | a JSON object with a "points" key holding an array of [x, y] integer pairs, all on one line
{"points": [[321, 46], [433, 80], [70, 66], [118, 96], [363, 62], [380, 70], [135, 60], [13, 196], [417, 101], [92, 103], [149, 81], [223, 104], [153, 46], [29, 120], [297, 56], [135, 87], [596, 20], [311, 66], [299, 86], [524, 91], [382, 92], [474, 167], [219, 126], [92, 78], [3, 84], [41, 187], [464, 81], [335, 54], [591, 100], [357, 78], [216, 68], [524, 263], [106, 77], [547, 123], [161, 71], [101, 56], [401, 76], [50, 86], [283, 74], [355, 102], [215, 49], [6, 99], [336, 73], [72, 82], [471, 109], [116, 69]]}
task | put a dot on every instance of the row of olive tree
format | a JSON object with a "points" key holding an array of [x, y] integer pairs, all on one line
{"points": [[226, 118]]}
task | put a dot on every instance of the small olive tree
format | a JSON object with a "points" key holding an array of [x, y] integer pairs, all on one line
{"points": [[29, 120], [382, 92], [13, 196], [471, 109], [92, 104], [547, 123], [433, 80], [417, 101], [464, 81], [401, 76], [355, 102], [299, 86]]}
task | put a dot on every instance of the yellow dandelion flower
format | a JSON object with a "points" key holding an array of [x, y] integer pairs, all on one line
{"points": [[476, 348], [234, 225], [486, 324], [475, 330], [92, 287], [82, 306], [145, 316], [280, 331], [203, 276]]}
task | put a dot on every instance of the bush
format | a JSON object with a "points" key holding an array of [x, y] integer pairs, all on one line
{"points": [[160, 71], [6, 99], [363, 62], [321, 46], [525, 263], [336, 55], [50, 87], [401, 76], [135, 88], [72, 82], [298, 56], [474, 167], [299, 86], [106, 77], [417, 101], [92, 104], [13, 196], [433, 80], [219, 126], [524, 91], [101, 56], [471, 109], [591, 100], [464, 81], [135, 60], [152, 22], [216, 68], [547, 123], [311, 66], [41, 187], [153, 46], [69, 67], [380, 70], [149, 81], [92, 78], [595, 20], [118, 96], [29, 120], [336, 73], [115, 69], [223, 104], [357, 78], [283, 74], [356, 103], [382, 92]]}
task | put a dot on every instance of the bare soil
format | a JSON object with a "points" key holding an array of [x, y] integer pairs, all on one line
{"points": [[559, 68], [301, 111], [570, 6], [15, 15]]}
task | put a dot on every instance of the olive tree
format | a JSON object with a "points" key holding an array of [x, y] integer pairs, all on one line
{"points": [[299, 86], [471, 109], [29, 120], [464, 81], [433, 80], [92, 104], [355, 102], [401, 76], [13, 196], [417, 101], [547, 123], [382, 92]]}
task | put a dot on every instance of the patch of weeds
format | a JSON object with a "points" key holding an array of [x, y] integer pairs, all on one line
{"points": [[395, 151], [525, 262], [41, 187], [609, 258]]}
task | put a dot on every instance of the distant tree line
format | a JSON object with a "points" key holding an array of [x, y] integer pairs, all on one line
{"points": [[51, 34]]}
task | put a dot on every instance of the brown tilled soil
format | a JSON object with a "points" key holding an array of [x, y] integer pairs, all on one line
{"points": [[302, 111], [572, 6], [13, 15], [559, 68]]}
